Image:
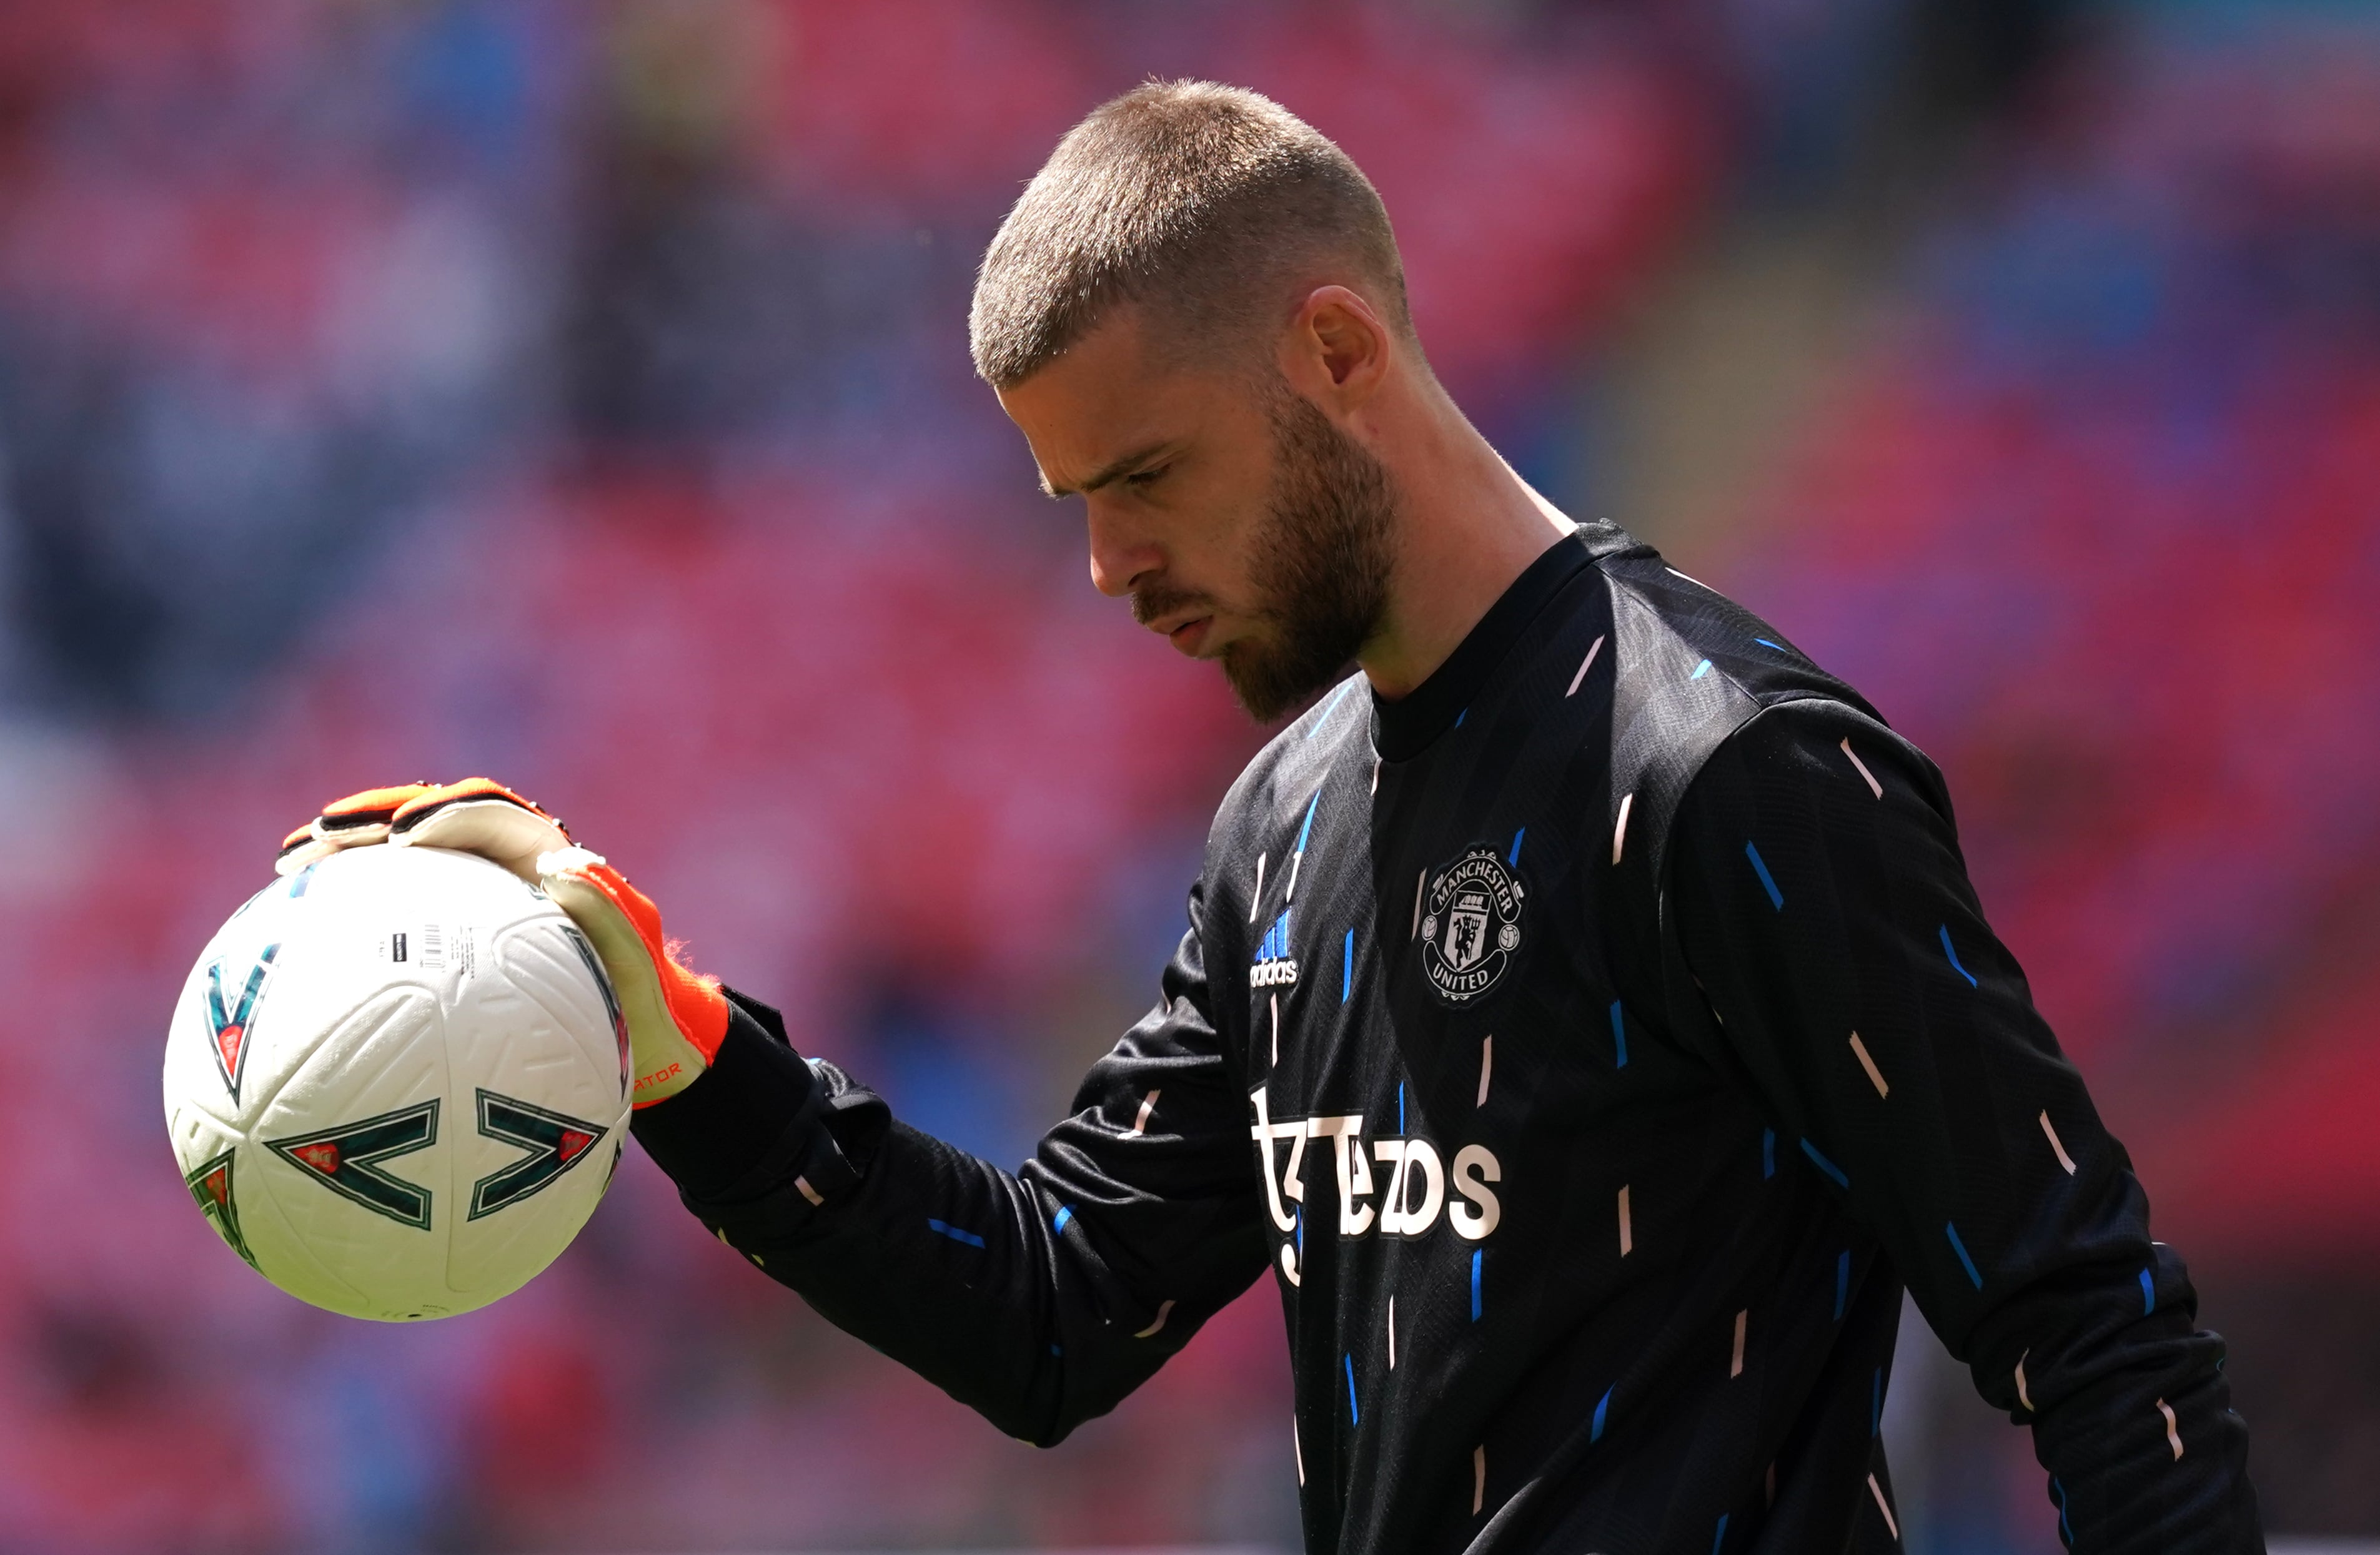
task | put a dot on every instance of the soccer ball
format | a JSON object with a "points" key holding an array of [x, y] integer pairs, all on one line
{"points": [[397, 1082]]}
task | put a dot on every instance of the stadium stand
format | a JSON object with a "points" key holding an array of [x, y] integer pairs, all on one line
{"points": [[362, 370]]}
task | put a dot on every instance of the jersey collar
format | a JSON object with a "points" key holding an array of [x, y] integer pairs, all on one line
{"points": [[1403, 728]]}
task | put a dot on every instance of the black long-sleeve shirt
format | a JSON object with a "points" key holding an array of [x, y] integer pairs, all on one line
{"points": [[1590, 1045]]}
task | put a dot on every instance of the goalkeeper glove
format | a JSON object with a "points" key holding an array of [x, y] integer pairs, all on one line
{"points": [[676, 1018]]}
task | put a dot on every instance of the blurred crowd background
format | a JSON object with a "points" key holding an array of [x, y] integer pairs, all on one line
{"points": [[577, 391]]}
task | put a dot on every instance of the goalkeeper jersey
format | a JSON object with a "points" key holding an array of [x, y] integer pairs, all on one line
{"points": [[1589, 1047]]}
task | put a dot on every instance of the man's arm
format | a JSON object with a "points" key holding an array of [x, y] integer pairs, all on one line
{"points": [[1040, 1299], [1819, 895]]}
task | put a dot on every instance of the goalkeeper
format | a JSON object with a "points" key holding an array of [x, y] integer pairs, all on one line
{"points": [[1585, 1020]]}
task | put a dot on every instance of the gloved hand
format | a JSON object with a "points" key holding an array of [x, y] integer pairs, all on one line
{"points": [[476, 816], [676, 1018]]}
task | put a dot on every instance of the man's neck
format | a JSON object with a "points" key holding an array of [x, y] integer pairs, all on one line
{"points": [[1467, 525]]}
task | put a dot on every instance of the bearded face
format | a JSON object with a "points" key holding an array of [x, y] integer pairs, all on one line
{"points": [[1319, 563], [1243, 522]]}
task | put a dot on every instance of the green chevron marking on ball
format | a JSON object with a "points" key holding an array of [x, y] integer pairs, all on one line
{"points": [[555, 1141], [347, 1160], [228, 1022], [210, 1186]]}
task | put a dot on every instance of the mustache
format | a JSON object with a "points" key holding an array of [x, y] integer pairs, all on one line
{"points": [[1153, 600]]}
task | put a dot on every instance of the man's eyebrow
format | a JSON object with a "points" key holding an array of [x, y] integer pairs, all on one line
{"points": [[1115, 469]]}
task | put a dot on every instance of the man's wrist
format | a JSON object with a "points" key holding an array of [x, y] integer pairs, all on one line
{"points": [[749, 1141]]}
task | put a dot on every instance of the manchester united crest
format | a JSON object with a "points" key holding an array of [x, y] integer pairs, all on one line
{"points": [[1473, 929]]}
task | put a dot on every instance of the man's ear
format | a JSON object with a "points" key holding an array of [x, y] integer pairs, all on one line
{"points": [[1337, 350]]}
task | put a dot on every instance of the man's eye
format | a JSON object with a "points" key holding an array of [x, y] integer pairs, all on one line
{"points": [[1145, 477]]}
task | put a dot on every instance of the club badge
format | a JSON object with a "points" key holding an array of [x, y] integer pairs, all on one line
{"points": [[1473, 929]]}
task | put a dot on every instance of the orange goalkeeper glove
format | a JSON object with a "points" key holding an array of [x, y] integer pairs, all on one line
{"points": [[676, 1018], [476, 816]]}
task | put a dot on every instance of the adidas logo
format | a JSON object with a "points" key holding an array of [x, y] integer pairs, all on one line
{"points": [[1274, 966]]}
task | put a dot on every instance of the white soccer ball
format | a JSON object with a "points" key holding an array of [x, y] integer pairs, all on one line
{"points": [[397, 1082]]}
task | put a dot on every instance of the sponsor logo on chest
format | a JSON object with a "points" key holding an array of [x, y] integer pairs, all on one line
{"points": [[1402, 1186]]}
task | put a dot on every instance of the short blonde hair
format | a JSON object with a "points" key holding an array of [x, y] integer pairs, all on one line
{"points": [[1208, 202]]}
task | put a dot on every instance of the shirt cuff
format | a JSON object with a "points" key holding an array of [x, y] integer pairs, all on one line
{"points": [[748, 1143]]}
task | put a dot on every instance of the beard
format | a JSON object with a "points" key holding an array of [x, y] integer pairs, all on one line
{"points": [[1323, 555]]}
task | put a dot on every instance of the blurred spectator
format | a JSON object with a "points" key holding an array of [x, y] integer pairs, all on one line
{"points": [[262, 286]]}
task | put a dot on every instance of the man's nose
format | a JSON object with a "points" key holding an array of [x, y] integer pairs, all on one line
{"points": [[1121, 555]]}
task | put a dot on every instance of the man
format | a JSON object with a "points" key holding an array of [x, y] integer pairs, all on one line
{"points": [[1584, 1017]]}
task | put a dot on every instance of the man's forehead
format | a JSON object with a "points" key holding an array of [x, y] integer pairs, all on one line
{"points": [[1105, 402]]}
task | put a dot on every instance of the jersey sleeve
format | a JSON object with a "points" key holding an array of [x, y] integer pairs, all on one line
{"points": [[1819, 899], [1038, 1298]]}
